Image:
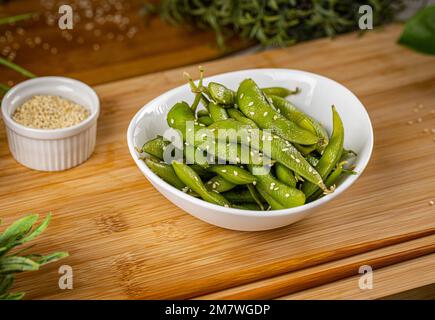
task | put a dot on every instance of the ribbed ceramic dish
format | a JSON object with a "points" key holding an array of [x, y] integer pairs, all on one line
{"points": [[58, 149]]}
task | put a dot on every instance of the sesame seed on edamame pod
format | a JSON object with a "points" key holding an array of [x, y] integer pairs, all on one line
{"points": [[221, 94], [191, 179], [288, 110], [253, 104], [233, 174], [219, 184], [331, 155], [285, 195], [217, 112]]}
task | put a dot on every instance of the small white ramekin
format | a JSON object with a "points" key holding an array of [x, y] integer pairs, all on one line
{"points": [[58, 149]]}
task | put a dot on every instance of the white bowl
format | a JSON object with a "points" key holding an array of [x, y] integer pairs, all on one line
{"points": [[317, 96], [57, 149]]}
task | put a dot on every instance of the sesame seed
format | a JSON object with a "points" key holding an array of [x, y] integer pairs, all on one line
{"points": [[265, 114], [426, 130], [421, 106], [298, 161], [431, 203], [419, 120], [252, 113], [275, 117], [241, 95], [285, 149], [235, 173], [276, 189], [416, 110], [226, 206], [224, 170], [250, 104], [433, 130], [254, 183], [172, 121], [49, 112], [287, 195], [410, 122]]}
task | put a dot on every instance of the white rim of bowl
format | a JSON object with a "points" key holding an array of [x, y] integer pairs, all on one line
{"points": [[362, 163], [51, 133]]}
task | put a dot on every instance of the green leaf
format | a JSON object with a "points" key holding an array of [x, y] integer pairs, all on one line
{"points": [[42, 260], [14, 19], [16, 68], [419, 32], [38, 230], [6, 283], [17, 264], [12, 296], [18, 229]]}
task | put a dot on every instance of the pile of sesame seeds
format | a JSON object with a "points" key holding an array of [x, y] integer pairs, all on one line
{"points": [[49, 112]]}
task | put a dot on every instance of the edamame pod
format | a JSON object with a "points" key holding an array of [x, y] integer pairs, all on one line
{"points": [[219, 184], [155, 147], [221, 94], [217, 112], [331, 155], [280, 91], [237, 115], [303, 120], [285, 195], [205, 120], [285, 175], [239, 196], [274, 204], [254, 105], [166, 172], [233, 174], [191, 179]]}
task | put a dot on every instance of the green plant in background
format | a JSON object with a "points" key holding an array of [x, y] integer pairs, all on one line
{"points": [[274, 22], [16, 261], [419, 32], [8, 64]]}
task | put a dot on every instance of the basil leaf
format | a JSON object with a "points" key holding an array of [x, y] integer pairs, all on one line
{"points": [[419, 32]]}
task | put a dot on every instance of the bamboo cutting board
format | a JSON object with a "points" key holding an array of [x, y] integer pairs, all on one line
{"points": [[127, 241]]}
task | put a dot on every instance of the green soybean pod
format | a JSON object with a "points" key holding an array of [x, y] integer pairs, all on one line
{"points": [[192, 180], [287, 196], [285, 175], [274, 204], [247, 206], [254, 105], [239, 196], [303, 120], [202, 113], [280, 91], [202, 171], [217, 112], [165, 172], [155, 147], [237, 115], [331, 155], [205, 120], [221, 94], [219, 184], [233, 174]]}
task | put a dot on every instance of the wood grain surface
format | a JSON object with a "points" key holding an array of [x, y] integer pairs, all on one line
{"points": [[127, 241], [116, 45]]}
